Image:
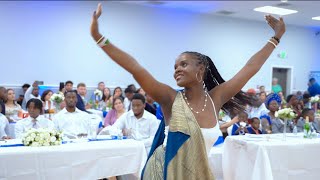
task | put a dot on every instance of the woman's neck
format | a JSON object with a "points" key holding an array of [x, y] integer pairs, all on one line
{"points": [[194, 93], [272, 113], [10, 103], [120, 111]]}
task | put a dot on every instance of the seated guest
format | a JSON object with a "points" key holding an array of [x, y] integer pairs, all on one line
{"points": [[262, 96], [315, 126], [48, 104], [138, 123], [12, 108], [114, 114], [62, 90], [141, 91], [314, 87], [240, 128], [255, 125], [80, 104], [293, 103], [106, 101], [4, 123], [272, 102], [68, 86], [2, 99], [283, 100], [32, 92], [127, 101], [21, 96], [133, 87], [34, 107], [82, 91], [151, 106], [117, 92], [71, 120], [262, 89]]}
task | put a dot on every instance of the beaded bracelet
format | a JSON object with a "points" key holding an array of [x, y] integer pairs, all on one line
{"points": [[275, 46]]}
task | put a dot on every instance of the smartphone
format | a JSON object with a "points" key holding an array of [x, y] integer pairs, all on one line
{"points": [[61, 86], [39, 82]]}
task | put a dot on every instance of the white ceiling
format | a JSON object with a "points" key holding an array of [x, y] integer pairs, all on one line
{"points": [[244, 9]]}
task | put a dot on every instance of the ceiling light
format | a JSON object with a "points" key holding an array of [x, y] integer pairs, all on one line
{"points": [[275, 10], [316, 18]]}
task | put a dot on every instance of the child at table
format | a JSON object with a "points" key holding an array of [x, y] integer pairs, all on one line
{"points": [[240, 128], [314, 124], [255, 125]]}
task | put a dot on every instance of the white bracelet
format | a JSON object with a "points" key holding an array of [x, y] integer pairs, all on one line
{"points": [[104, 42], [275, 46], [100, 39]]}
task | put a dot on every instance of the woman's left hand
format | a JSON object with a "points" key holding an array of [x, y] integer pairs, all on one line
{"points": [[277, 25]]}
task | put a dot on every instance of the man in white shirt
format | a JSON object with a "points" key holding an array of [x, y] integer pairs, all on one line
{"points": [[35, 107], [4, 123], [72, 121], [138, 123], [32, 92]]}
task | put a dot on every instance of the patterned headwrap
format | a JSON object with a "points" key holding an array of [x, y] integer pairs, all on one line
{"points": [[271, 97]]}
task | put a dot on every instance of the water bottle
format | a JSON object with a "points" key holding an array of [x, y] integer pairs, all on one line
{"points": [[295, 130], [306, 128]]}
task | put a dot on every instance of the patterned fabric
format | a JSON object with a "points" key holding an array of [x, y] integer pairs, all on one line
{"points": [[185, 156]]}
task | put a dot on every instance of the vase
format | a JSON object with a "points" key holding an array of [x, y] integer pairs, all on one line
{"points": [[285, 129], [58, 108]]}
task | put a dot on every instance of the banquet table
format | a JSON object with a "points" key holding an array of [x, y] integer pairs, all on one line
{"points": [[82, 160], [270, 157], [215, 161], [10, 130]]}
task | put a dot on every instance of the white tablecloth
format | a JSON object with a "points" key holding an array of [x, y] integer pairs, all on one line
{"points": [[10, 128], [86, 160], [269, 157], [215, 161]]}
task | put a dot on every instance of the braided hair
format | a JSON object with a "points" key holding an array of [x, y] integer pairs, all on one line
{"points": [[212, 78]]}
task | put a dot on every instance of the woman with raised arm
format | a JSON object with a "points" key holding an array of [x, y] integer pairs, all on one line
{"points": [[191, 117]]}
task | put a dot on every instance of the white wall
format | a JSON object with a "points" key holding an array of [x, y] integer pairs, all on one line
{"points": [[50, 41]]}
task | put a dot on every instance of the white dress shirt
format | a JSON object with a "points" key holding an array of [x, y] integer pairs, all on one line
{"points": [[27, 123], [142, 129], [127, 104], [3, 125], [72, 123]]}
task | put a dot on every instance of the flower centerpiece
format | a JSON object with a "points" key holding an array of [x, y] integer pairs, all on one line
{"points": [[57, 99], [98, 97], [286, 114], [42, 137]]}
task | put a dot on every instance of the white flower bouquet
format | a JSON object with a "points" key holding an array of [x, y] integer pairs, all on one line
{"points": [[97, 92], [286, 113], [57, 98], [42, 137], [314, 99]]}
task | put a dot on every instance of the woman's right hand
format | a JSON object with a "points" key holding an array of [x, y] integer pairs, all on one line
{"points": [[94, 28]]}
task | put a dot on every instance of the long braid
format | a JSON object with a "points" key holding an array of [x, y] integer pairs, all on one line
{"points": [[212, 78]]}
